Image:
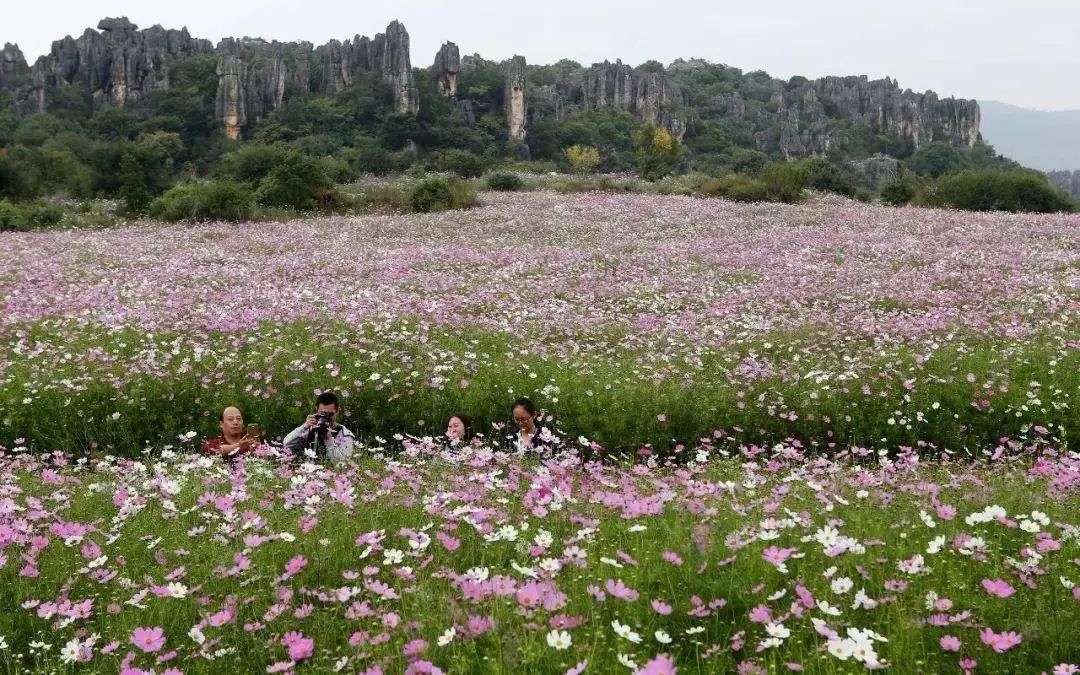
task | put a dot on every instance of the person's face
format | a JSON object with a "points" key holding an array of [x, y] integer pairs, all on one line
{"points": [[523, 419], [232, 423], [455, 428], [330, 408]]}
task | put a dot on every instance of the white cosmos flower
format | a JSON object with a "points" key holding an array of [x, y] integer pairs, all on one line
{"points": [[447, 637], [777, 630], [841, 585], [559, 639], [662, 637], [627, 661], [624, 631], [841, 648]]}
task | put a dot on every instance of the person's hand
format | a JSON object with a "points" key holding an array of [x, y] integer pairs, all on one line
{"points": [[311, 422]]}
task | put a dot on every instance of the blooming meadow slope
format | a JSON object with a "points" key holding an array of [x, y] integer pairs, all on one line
{"points": [[850, 429], [832, 322]]}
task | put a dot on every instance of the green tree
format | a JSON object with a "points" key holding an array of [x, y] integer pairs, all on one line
{"points": [[936, 160], [133, 188], [297, 181], [657, 152]]}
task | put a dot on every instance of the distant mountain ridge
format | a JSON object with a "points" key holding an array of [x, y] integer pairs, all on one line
{"points": [[1048, 140], [121, 65]]}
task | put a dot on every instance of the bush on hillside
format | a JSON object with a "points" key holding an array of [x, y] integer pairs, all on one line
{"points": [[897, 192], [298, 181], [213, 200], [251, 162], [453, 160], [785, 181], [441, 194], [989, 190], [504, 181], [13, 218]]}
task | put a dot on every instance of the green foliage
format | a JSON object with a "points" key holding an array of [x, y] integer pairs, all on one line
{"points": [[368, 156], [13, 183], [989, 190], [133, 187], [736, 187], [828, 176], [609, 130], [898, 192], [657, 152], [785, 181], [29, 215], [210, 200], [505, 181], [461, 162], [937, 159], [748, 161], [297, 181], [251, 162], [13, 218], [441, 194]]}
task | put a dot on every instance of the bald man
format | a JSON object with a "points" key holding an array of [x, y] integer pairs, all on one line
{"points": [[232, 441]]}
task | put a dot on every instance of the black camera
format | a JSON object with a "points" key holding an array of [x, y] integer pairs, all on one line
{"points": [[323, 420]]}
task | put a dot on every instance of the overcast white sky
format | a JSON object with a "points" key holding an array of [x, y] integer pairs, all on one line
{"points": [[1024, 52]]}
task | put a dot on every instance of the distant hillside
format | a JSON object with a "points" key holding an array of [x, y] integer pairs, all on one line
{"points": [[1044, 140]]}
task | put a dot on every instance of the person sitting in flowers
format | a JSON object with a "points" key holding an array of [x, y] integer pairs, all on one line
{"points": [[234, 439], [530, 436], [459, 432], [319, 436]]}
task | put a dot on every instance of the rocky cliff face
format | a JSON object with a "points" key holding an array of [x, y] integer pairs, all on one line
{"points": [[1069, 181], [13, 68], [801, 114], [120, 64], [515, 99], [647, 95], [254, 75], [444, 72]]}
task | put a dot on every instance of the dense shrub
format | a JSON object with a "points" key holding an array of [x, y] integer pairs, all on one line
{"points": [[897, 192], [453, 160], [368, 156], [989, 190], [13, 218], [212, 200], [741, 188], [251, 162], [13, 183], [827, 176], [441, 194], [298, 181], [504, 181], [785, 181], [936, 160], [657, 152]]}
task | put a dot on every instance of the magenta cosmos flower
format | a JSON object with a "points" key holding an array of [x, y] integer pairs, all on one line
{"points": [[148, 639]]}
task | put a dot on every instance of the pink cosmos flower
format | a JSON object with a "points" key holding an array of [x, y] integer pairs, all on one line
{"points": [[776, 555], [1000, 642], [660, 607], [672, 557], [295, 565], [761, 614], [998, 587], [661, 665], [620, 590], [950, 643], [415, 647], [148, 639]]}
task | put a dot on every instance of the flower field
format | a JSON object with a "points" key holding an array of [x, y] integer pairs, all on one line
{"points": [[829, 437]]}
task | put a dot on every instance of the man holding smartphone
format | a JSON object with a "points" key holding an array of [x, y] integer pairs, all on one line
{"points": [[234, 440], [320, 436]]}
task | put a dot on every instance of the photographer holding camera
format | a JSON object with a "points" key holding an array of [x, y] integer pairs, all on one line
{"points": [[320, 434]]}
